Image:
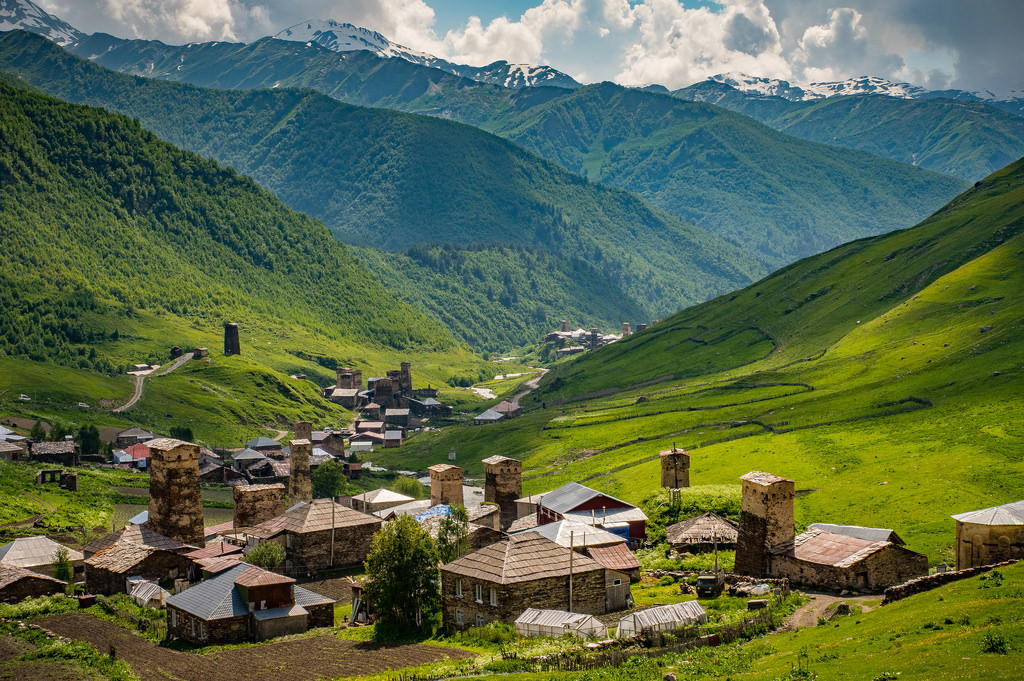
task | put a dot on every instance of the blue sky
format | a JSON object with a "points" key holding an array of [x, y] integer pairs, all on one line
{"points": [[933, 43]]}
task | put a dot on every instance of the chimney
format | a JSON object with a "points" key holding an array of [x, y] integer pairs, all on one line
{"points": [[445, 485], [503, 485], [175, 500], [300, 486], [766, 520]]}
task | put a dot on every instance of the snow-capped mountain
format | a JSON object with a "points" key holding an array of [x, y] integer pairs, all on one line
{"points": [[342, 37], [24, 14]]}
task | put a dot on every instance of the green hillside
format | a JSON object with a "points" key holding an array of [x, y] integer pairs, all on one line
{"points": [[968, 140], [884, 376], [781, 197], [778, 196], [118, 245], [392, 180]]}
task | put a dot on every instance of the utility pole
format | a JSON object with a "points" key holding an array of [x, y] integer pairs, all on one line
{"points": [[332, 529], [572, 552]]}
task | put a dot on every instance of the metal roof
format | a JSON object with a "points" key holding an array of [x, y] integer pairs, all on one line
{"points": [[278, 613], [869, 533], [579, 534], [263, 442], [572, 494], [828, 548], [392, 435], [140, 518], [249, 454], [615, 557], [305, 597], [382, 495], [214, 598], [607, 516], [561, 619], [489, 415], [521, 558], [27, 552], [687, 612], [1007, 514], [146, 591]]}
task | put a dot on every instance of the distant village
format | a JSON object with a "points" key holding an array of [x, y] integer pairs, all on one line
{"points": [[568, 342]]}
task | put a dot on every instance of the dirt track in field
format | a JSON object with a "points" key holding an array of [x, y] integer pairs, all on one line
{"points": [[297, 659]]}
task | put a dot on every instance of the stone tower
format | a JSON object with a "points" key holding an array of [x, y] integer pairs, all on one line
{"points": [[594, 339], [503, 485], [766, 520], [300, 485], [626, 330], [445, 485], [405, 378], [641, 327], [232, 346], [303, 430], [257, 503], [383, 391], [349, 378], [675, 468], [175, 501], [565, 326]]}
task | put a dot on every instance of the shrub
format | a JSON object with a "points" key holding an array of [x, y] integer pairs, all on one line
{"points": [[993, 643], [267, 555]]}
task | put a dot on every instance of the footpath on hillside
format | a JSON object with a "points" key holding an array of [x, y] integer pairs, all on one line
{"points": [[137, 395]]}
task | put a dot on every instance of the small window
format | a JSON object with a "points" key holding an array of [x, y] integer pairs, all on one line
{"points": [[460, 619], [494, 596], [617, 582], [479, 593], [458, 588], [287, 541], [479, 620]]}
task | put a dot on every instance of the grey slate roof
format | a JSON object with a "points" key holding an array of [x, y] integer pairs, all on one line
{"points": [[249, 455], [570, 495], [306, 597], [215, 598], [1007, 514], [869, 533], [263, 442], [489, 415]]}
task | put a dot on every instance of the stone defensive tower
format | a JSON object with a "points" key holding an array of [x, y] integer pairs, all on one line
{"points": [[675, 468], [766, 520], [383, 391], [300, 485], [446, 485], [232, 346], [257, 503], [565, 326], [303, 430], [175, 501], [503, 484], [626, 329], [594, 339], [349, 378], [405, 378], [641, 327]]}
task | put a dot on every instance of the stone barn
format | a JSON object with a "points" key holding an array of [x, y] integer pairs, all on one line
{"points": [[319, 535], [850, 558], [245, 603], [107, 571], [62, 453], [17, 584], [499, 582], [991, 535]]}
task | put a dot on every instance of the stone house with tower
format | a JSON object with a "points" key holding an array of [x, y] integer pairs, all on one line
{"points": [[503, 484], [498, 582], [767, 545]]}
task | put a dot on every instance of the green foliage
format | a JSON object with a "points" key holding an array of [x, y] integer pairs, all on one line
{"points": [[89, 440], [267, 555], [723, 500], [63, 569], [328, 480], [402, 577], [86, 661], [37, 433], [993, 643], [181, 433], [410, 487], [38, 607], [453, 535]]}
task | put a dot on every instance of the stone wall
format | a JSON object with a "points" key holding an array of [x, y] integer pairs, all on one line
{"points": [[589, 596], [886, 567], [675, 468], [207, 632], [503, 484], [766, 520], [257, 503], [927, 583], [312, 550], [166, 565], [987, 544], [175, 499], [30, 587], [320, 615], [300, 484]]}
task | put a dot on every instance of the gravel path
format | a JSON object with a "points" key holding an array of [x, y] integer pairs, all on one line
{"points": [[139, 381]]}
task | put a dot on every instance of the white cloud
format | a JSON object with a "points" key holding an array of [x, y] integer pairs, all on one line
{"points": [[522, 40]]}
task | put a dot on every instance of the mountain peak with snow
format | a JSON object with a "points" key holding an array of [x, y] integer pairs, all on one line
{"points": [[28, 16], [342, 37]]}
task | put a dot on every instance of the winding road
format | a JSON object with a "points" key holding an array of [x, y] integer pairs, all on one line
{"points": [[137, 395]]}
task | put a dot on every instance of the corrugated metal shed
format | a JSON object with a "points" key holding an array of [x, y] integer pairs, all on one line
{"points": [[662, 618], [150, 595], [535, 622]]}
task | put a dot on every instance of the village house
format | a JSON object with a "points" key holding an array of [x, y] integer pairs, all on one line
{"points": [[507, 408], [378, 500], [10, 451], [397, 417], [486, 417], [264, 445], [426, 407], [127, 438], [392, 439], [498, 582], [365, 441], [37, 554], [702, 534], [480, 532], [371, 411], [136, 534], [329, 439], [247, 458], [610, 550], [245, 603], [140, 455], [573, 501], [767, 546], [991, 535], [62, 453], [107, 571], [17, 584], [319, 535], [10, 437]]}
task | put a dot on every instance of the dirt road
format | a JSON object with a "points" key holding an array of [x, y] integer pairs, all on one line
{"points": [[807, 615], [137, 395], [530, 386]]}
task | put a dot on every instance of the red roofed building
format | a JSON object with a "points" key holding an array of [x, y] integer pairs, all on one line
{"points": [[140, 455]]}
